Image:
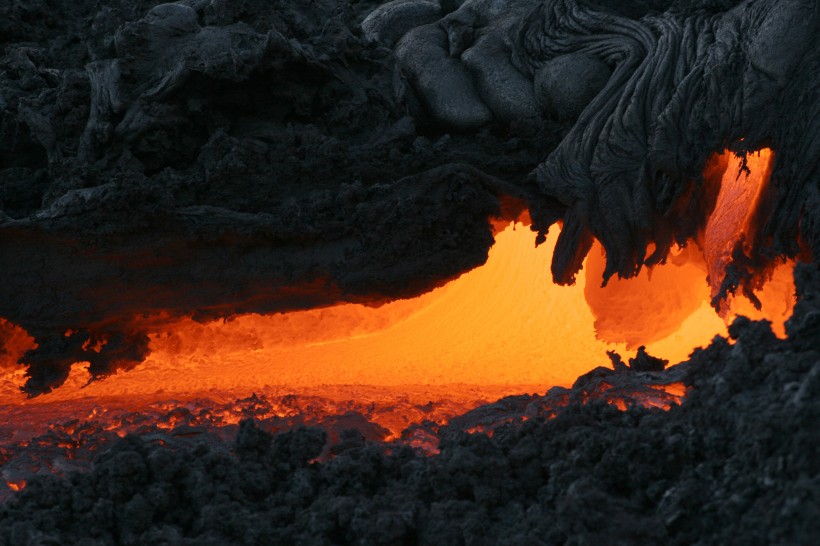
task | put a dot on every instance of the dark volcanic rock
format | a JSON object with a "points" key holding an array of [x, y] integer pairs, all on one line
{"points": [[229, 156], [654, 88]]}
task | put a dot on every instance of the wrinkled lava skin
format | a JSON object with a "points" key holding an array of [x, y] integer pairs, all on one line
{"points": [[207, 158]]}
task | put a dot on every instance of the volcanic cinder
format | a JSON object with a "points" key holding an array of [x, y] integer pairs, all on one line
{"points": [[209, 158]]}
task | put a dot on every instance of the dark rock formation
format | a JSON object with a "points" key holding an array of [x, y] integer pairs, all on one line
{"points": [[737, 463], [217, 157], [211, 157], [652, 95]]}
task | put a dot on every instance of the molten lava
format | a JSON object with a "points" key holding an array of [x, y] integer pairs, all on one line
{"points": [[731, 222], [731, 228], [662, 301], [503, 326], [399, 371], [498, 330], [16, 485]]}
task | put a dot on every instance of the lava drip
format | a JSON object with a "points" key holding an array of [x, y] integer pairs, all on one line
{"points": [[727, 239]]}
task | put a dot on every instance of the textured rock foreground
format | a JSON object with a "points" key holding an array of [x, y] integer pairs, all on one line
{"points": [[737, 463]]}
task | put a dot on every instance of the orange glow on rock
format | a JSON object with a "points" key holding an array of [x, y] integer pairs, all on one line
{"points": [[732, 223], [18, 485], [661, 396]]}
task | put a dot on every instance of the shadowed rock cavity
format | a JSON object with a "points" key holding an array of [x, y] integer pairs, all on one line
{"points": [[206, 158]]}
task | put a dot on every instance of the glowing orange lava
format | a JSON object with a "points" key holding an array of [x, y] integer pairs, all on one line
{"points": [[16, 485], [14, 341], [732, 223], [655, 304], [501, 329], [732, 219], [503, 326]]}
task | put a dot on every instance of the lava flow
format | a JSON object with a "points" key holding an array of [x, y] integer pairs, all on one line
{"points": [[503, 327], [731, 228], [400, 371], [426, 359]]}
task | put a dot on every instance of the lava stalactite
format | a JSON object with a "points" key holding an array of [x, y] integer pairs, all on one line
{"points": [[730, 232], [732, 220]]}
